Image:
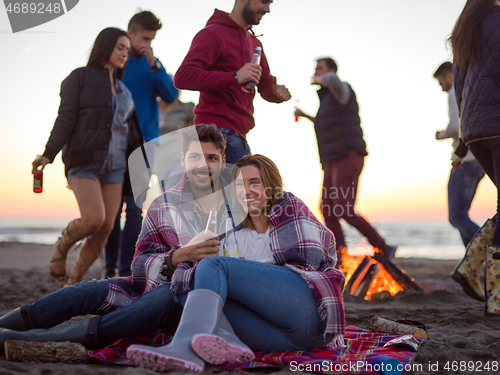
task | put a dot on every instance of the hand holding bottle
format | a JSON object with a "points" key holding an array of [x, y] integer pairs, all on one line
{"points": [[40, 161], [204, 237], [249, 72], [201, 246], [249, 86]]}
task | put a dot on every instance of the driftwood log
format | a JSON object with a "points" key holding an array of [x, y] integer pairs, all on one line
{"points": [[388, 326], [28, 351], [404, 281]]}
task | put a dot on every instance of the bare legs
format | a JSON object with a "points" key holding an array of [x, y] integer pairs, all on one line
{"points": [[98, 208]]}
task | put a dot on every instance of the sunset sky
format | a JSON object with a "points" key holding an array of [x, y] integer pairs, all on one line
{"points": [[387, 50]]}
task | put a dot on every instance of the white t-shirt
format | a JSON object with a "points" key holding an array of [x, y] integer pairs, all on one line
{"points": [[252, 245]]}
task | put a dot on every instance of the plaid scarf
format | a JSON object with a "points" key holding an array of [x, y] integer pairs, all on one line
{"points": [[304, 245], [298, 241], [168, 225], [164, 229]]}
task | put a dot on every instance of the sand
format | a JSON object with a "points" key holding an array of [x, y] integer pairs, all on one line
{"points": [[457, 326]]}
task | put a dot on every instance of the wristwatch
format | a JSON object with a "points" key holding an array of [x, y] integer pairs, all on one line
{"points": [[167, 268], [156, 66]]}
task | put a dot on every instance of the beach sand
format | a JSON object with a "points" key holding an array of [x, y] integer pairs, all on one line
{"points": [[457, 326]]}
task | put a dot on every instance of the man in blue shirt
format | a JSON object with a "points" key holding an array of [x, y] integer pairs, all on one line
{"points": [[147, 79]]}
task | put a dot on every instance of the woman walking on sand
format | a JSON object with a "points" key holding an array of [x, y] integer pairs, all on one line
{"points": [[97, 129], [476, 50]]}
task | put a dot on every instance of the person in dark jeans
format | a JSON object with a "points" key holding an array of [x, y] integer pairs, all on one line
{"points": [[237, 147], [464, 179], [146, 78]]}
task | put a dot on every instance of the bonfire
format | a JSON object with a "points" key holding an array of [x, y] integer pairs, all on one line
{"points": [[372, 275]]}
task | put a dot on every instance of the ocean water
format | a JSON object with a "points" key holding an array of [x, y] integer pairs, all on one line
{"points": [[44, 231], [415, 239]]}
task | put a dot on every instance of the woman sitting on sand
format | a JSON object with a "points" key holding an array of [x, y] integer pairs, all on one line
{"points": [[258, 296], [97, 129], [288, 266]]}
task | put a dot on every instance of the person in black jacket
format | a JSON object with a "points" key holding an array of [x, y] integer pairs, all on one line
{"points": [[342, 150], [476, 53], [97, 129]]}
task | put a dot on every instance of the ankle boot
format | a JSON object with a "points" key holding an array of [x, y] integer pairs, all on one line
{"points": [[69, 237], [467, 271], [492, 280], [201, 314], [222, 347], [19, 319], [89, 252], [82, 331]]}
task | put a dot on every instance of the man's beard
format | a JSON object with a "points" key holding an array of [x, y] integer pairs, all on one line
{"points": [[203, 188], [250, 16]]}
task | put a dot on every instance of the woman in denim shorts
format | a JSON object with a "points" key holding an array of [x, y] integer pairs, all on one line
{"points": [[96, 129]]}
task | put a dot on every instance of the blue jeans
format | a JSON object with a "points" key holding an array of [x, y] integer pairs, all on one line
{"points": [[268, 306], [121, 243], [158, 307], [461, 190], [487, 153], [236, 146]]}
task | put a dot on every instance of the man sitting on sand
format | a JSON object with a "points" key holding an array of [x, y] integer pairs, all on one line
{"points": [[128, 306]]}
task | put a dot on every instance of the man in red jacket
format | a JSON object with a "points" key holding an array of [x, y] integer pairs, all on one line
{"points": [[218, 65]]}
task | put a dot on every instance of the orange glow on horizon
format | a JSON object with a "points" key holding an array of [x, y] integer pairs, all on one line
{"points": [[406, 203]]}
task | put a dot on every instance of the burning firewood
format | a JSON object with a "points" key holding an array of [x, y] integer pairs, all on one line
{"points": [[28, 351], [404, 281], [349, 288], [367, 280], [388, 326]]}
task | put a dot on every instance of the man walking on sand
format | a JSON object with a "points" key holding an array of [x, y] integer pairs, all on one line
{"points": [[463, 181], [342, 150], [146, 78], [218, 65]]}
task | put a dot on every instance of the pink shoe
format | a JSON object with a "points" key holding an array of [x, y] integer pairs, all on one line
{"points": [[152, 358], [215, 350]]}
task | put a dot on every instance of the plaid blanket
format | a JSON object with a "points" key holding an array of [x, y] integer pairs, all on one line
{"points": [[361, 347], [305, 246]]}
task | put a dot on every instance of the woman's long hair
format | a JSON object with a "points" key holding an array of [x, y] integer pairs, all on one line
{"points": [[103, 48], [271, 178], [465, 36]]}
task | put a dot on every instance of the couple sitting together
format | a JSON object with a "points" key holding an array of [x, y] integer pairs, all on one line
{"points": [[285, 295]]}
